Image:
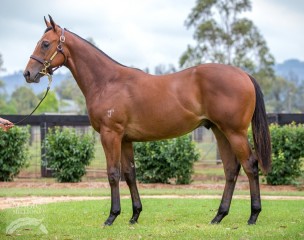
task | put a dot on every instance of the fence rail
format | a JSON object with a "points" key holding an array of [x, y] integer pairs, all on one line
{"points": [[42, 123], [83, 120]]}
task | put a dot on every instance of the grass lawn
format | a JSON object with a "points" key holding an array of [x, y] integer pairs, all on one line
{"points": [[101, 191], [161, 219]]}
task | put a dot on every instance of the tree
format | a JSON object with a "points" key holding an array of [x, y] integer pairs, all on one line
{"points": [[1, 63], [91, 40], [24, 99], [282, 96], [49, 104], [4, 106], [224, 37], [68, 89], [163, 69]]}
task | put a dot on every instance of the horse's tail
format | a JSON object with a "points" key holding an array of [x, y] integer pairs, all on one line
{"points": [[260, 130]]}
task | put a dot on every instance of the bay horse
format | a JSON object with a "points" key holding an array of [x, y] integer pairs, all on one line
{"points": [[127, 105]]}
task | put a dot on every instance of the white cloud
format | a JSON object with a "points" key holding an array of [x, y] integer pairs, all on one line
{"points": [[135, 32]]}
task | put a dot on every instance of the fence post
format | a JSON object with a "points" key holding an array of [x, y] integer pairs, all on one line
{"points": [[45, 171], [43, 131]]}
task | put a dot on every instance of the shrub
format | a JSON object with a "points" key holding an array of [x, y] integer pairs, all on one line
{"points": [[287, 151], [162, 161], [68, 153], [13, 152]]}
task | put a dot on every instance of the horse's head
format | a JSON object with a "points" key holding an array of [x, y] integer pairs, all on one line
{"points": [[48, 55]]}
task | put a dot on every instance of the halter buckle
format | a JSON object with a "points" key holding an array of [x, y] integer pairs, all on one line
{"points": [[46, 64], [62, 39]]}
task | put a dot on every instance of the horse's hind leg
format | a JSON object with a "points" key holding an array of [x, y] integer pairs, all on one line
{"points": [[128, 169], [231, 168], [240, 145]]}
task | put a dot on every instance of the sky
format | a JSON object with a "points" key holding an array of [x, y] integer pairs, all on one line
{"points": [[138, 33]]}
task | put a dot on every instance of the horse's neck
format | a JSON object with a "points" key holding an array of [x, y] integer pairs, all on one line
{"points": [[91, 68]]}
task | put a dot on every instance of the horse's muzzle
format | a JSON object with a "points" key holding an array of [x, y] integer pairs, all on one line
{"points": [[30, 79]]}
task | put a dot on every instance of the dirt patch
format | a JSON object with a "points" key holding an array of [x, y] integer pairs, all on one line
{"points": [[213, 186], [11, 202]]}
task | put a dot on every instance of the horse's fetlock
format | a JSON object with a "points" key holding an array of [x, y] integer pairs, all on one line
{"points": [[256, 209], [137, 208], [115, 212], [223, 212]]}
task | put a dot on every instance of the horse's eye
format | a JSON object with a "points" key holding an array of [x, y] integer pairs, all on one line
{"points": [[45, 44]]}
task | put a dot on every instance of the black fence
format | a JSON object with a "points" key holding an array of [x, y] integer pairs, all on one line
{"points": [[285, 118], [46, 121], [83, 120]]}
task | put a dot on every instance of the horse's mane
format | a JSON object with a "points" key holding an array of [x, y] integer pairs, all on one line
{"points": [[92, 45], [103, 53]]}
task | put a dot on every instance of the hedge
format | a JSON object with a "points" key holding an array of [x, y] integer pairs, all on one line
{"points": [[287, 154], [68, 153], [165, 161], [14, 146]]}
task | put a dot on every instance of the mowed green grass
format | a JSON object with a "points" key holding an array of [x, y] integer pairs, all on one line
{"points": [[124, 191], [161, 219]]}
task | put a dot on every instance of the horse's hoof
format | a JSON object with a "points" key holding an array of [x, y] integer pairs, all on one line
{"points": [[107, 224], [132, 221], [214, 222]]}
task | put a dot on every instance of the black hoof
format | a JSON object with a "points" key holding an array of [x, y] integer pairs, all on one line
{"points": [[107, 224], [132, 221], [250, 222], [214, 222], [218, 218], [111, 219]]}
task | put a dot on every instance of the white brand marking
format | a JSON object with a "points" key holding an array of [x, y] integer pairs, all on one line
{"points": [[110, 111]]}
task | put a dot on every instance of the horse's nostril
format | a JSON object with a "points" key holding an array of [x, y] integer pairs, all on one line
{"points": [[26, 74]]}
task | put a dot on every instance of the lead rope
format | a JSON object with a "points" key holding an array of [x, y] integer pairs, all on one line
{"points": [[47, 90]]}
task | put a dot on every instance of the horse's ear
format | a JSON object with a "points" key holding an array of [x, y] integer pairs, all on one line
{"points": [[53, 24], [47, 23]]}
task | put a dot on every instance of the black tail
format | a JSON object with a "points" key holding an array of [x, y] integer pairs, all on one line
{"points": [[260, 130]]}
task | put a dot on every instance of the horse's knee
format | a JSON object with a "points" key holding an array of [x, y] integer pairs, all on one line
{"points": [[113, 175]]}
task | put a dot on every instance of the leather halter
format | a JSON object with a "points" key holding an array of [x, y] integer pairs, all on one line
{"points": [[47, 68]]}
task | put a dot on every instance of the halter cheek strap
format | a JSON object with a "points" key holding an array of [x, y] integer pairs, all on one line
{"points": [[47, 69]]}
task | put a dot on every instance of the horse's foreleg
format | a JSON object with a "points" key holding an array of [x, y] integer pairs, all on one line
{"points": [[111, 142], [128, 169], [231, 168]]}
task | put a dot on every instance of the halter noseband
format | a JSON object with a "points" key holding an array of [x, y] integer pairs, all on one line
{"points": [[47, 70]]}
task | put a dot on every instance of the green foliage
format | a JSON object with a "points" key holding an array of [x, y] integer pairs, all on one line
{"points": [[49, 104], [5, 107], [284, 96], [287, 149], [68, 89], [68, 152], [160, 161], [222, 36], [24, 100], [13, 152]]}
